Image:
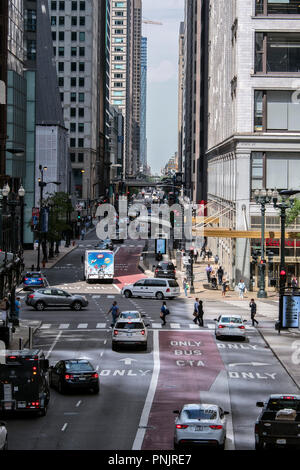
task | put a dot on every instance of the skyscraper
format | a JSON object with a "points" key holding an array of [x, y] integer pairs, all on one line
{"points": [[143, 107]]}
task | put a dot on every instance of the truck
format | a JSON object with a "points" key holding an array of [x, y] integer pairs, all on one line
{"points": [[278, 424], [24, 381], [99, 265]]}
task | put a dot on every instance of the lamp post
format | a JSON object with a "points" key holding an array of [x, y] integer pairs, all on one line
{"points": [[42, 185], [262, 197], [287, 202], [12, 203]]}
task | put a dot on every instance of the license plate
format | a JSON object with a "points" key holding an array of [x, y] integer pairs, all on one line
{"points": [[198, 428], [82, 378], [22, 404], [129, 334], [281, 441], [8, 406]]}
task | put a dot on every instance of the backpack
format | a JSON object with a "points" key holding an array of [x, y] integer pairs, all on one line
{"points": [[167, 311]]}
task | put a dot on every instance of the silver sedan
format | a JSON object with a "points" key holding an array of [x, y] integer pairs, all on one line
{"points": [[230, 325], [200, 424]]}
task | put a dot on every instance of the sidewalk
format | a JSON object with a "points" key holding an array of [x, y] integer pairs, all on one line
{"points": [[30, 256]]}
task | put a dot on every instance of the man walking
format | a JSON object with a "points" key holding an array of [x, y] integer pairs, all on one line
{"points": [[208, 270], [242, 288], [252, 306], [200, 313], [195, 313], [220, 274], [163, 312], [114, 310]]}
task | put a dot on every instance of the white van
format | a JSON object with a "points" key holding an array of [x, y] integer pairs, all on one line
{"points": [[152, 287]]}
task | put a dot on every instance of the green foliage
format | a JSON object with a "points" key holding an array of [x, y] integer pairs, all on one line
{"points": [[60, 205], [293, 213]]}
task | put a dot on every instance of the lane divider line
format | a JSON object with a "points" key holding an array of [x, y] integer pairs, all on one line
{"points": [[53, 344], [64, 427], [139, 438]]}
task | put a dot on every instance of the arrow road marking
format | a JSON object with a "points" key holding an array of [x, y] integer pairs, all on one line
{"points": [[127, 361]]}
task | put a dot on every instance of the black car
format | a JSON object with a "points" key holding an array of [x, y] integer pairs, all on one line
{"points": [[74, 374], [105, 245], [165, 270]]}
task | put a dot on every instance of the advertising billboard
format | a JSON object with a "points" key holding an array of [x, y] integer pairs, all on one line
{"points": [[291, 309]]}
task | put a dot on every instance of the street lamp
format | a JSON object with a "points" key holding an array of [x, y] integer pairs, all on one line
{"points": [[262, 197], [287, 202]]}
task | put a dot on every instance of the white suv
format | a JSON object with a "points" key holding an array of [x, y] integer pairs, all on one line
{"points": [[152, 287], [129, 331]]}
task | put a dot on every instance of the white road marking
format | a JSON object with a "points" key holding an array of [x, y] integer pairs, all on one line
{"points": [[64, 427], [101, 325], [78, 403], [64, 326], [192, 326], [156, 325], [82, 325], [174, 325], [150, 396], [45, 326], [53, 344]]}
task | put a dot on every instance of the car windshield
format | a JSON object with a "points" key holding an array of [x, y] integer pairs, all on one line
{"points": [[166, 266], [230, 320], [130, 314], [201, 413], [279, 404], [34, 275], [130, 326], [78, 366]]}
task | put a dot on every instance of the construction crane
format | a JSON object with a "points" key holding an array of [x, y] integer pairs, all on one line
{"points": [[152, 22]]}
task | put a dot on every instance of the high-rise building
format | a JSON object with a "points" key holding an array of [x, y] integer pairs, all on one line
{"points": [[75, 33], [180, 92], [143, 107], [3, 83], [253, 125]]}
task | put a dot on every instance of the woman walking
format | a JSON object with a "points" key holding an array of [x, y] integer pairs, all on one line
{"points": [[199, 317], [224, 287], [185, 286], [163, 312]]}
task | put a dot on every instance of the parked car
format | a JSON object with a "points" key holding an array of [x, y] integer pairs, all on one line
{"points": [[105, 245], [279, 422], [152, 287], [74, 374], [129, 314], [200, 424], [52, 297], [129, 332], [32, 280], [165, 270], [3, 436], [230, 325]]}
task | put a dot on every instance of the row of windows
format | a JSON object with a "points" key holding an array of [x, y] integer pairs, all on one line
{"points": [[73, 113], [80, 157], [73, 81], [74, 66], [60, 5], [74, 51], [277, 52], [80, 143], [61, 21], [74, 126], [74, 97], [277, 7], [74, 36]]}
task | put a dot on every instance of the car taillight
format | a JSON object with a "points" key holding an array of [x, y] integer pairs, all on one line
{"points": [[143, 332], [181, 426], [31, 296], [168, 290], [95, 375], [68, 377], [116, 332], [156, 270], [221, 326], [40, 278], [241, 327], [26, 279], [216, 426]]}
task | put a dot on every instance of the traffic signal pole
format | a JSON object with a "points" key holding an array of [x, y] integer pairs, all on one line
{"points": [[282, 276]]}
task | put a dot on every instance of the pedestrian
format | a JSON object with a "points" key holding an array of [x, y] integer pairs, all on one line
{"points": [[196, 255], [185, 286], [252, 306], [17, 309], [216, 259], [294, 285], [82, 234], [242, 288], [200, 313], [114, 310], [208, 270], [163, 312], [220, 274], [224, 287], [195, 313], [203, 248]]}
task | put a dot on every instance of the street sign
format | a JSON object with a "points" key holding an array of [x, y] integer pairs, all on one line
{"points": [[291, 309]]}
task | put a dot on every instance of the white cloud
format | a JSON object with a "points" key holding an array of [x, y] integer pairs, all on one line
{"points": [[163, 72]]}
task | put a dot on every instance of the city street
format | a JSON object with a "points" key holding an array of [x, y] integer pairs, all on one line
{"points": [[139, 390]]}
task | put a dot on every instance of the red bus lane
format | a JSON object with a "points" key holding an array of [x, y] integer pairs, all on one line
{"points": [[189, 362], [126, 265]]}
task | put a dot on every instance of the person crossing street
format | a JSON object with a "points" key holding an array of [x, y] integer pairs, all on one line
{"points": [[252, 306]]}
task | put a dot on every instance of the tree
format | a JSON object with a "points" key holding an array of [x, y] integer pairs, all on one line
{"points": [[293, 213], [60, 206]]}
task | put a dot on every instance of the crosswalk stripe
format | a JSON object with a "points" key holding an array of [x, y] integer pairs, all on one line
{"points": [[174, 325], [63, 326], [211, 326], [46, 326], [192, 326], [82, 325], [156, 325], [101, 325]]}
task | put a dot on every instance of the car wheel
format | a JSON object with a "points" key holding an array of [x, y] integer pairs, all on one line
{"points": [[176, 445], [114, 347], [96, 389], [144, 347], [259, 445], [159, 296], [40, 306], [43, 411], [76, 306], [127, 294]]}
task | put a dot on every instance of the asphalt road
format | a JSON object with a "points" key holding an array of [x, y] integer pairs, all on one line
{"points": [[140, 390]]}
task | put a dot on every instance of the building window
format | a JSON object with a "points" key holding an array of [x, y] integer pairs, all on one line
{"points": [[81, 97], [54, 51], [81, 36], [277, 52], [53, 5], [72, 142], [61, 51], [72, 127], [61, 35], [61, 81], [82, 20], [62, 6], [74, 6], [118, 84], [73, 97], [277, 7], [81, 127], [119, 57], [73, 66], [82, 51], [74, 21], [72, 112], [119, 22], [53, 35], [73, 51], [81, 112], [72, 157], [53, 20], [80, 158], [30, 20], [276, 110], [73, 81], [61, 97], [81, 143], [119, 31], [61, 21], [61, 66], [119, 49], [73, 36], [82, 6], [31, 49], [81, 81], [119, 13], [81, 66]]}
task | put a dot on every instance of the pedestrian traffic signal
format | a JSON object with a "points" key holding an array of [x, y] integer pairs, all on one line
{"points": [[263, 262], [282, 277], [254, 257]]}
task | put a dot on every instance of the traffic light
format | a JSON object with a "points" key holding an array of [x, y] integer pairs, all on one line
{"points": [[254, 257], [78, 215], [263, 262], [282, 277]]}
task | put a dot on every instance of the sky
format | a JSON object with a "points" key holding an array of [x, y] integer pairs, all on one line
{"points": [[162, 99]]}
